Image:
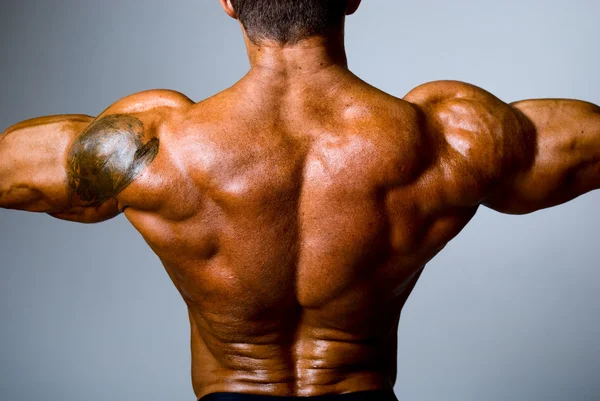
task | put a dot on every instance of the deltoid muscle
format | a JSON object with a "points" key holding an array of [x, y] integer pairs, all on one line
{"points": [[107, 157]]}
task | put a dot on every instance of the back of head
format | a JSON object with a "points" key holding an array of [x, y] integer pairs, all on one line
{"points": [[289, 21]]}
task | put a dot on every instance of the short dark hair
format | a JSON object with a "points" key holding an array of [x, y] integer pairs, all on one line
{"points": [[289, 21]]}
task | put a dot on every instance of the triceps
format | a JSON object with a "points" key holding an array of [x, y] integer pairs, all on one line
{"points": [[567, 159], [573, 133], [32, 153], [72, 167]]}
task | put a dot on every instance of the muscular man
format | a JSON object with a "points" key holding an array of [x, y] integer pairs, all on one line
{"points": [[295, 211]]}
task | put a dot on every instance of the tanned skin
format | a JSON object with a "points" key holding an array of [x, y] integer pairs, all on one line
{"points": [[296, 210]]}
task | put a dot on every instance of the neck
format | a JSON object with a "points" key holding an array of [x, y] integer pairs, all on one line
{"points": [[308, 56]]}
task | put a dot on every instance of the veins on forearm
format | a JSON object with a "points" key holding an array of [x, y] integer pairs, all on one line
{"points": [[107, 157]]}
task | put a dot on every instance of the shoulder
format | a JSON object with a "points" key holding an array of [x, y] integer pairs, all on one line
{"points": [[117, 146], [478, 135], [148, 101], [472, 121], [448, 100], [436, 92]]}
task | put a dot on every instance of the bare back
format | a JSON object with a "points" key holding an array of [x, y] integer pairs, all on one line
{"points": [[294, 222]]}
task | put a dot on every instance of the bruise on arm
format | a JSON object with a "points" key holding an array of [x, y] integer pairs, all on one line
{"points": [[106, 158]]}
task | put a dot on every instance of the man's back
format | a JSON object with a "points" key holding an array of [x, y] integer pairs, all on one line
{"points": [[295, 216], [287, 228]]}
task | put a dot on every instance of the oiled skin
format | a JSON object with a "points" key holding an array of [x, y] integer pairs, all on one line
{"points": [[296, 210]]}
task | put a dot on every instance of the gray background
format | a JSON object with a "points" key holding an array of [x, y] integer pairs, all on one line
{"points": [[509, 311]]}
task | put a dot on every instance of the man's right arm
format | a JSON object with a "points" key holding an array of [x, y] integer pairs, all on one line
{"points": [[32, 162], [74, 167]]}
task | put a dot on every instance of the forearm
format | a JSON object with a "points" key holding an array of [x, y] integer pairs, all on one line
{"points": [[32, 155]]}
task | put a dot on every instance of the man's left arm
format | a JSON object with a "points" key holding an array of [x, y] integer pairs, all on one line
{"points": [[566, 161]]}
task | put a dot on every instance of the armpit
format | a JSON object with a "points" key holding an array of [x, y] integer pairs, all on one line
{"points": [[107, 157]]}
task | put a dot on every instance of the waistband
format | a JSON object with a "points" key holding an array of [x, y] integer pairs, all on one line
{"points": [[375, 395]]}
